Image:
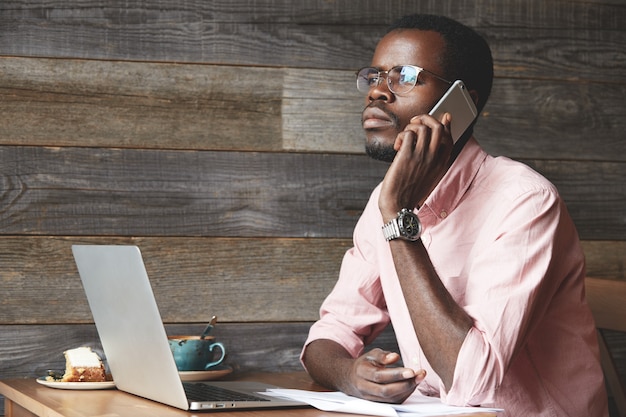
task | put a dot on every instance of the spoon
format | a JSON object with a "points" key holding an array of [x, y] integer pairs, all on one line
{"points": [[209, 328]]}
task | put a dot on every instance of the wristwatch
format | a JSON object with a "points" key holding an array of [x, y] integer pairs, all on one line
{"points": [[406, 226]]}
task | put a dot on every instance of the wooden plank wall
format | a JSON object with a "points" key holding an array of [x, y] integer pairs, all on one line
{"points": [[223, 138]]}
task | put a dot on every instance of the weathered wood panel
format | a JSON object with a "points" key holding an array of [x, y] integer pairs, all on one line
{"points": [[605, 259], [559, 53], [525, 35], [82, 191], [529, 119], [128, 104], [239, 280], [172, 106], [126, 192]]}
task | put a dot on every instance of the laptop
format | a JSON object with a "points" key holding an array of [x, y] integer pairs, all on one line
{"points": [[135, 342]]}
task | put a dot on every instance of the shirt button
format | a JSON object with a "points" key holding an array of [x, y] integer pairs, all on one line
{"points": [[415, 360], [443, 214]]}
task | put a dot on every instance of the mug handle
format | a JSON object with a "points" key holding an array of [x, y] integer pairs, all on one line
{"points": [[217, 362]]}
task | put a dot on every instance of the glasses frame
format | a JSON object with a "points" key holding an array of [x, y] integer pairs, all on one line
{"points": [[386, 76]]}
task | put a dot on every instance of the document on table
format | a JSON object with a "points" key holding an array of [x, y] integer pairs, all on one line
{"points": [[417, 405]]}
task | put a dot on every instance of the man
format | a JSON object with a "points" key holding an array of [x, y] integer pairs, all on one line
{"points": [[487, 302]]}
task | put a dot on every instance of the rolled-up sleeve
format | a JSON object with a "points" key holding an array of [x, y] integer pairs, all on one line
{"points": [[354, 313]]}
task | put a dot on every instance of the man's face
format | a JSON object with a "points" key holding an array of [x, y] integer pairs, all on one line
{"points": [[387, 114]]}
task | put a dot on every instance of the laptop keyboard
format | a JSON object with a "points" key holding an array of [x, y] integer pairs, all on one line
{"points": [[204, 392]]}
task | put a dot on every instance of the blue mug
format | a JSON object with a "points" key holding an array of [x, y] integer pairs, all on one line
{"points": [[191, 353]]}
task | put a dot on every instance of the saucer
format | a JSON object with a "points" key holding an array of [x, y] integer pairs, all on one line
{"points": [[212, 373], [76, 385]]}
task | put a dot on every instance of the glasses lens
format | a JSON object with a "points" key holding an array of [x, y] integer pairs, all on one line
{"points": [[366, 78], [402, 79]]}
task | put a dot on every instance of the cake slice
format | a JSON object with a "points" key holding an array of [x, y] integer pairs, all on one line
{"points": [[83, 365]]}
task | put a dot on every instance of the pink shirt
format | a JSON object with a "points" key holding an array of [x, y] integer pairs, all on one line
{"points": [[504, 246]]}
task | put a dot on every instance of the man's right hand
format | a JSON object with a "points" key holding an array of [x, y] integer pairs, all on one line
{"points": [[374, 378], [371, 376]]}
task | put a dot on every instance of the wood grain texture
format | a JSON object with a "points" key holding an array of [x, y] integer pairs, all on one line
{"points": [[605, 259], [526, 35], [532, 119], [128, 104], [126, 192], [238, 279], [209, 107]]}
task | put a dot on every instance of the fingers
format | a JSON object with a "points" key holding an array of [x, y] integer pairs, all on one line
{"points": [[430, 131], [382, 358], [425, 134], [392, 385], [375, 380]]}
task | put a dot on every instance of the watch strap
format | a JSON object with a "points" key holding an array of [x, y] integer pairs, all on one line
{"points": [[391, 230]]}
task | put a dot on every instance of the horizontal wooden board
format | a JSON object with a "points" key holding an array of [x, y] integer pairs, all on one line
{"points": [[530, 119], [126, 104], [82, 191], [570, 39], [557, 53], [239, 280], [210, 107], [111, 192], [605, 259]]}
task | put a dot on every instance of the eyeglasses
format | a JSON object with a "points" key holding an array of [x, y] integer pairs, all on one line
{"points": [[400, 79]]}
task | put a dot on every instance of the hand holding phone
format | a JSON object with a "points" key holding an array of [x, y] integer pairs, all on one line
{"points": [[458, 102]]}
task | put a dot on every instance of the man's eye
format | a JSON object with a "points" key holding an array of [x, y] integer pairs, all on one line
{"points": [[372, 80]]}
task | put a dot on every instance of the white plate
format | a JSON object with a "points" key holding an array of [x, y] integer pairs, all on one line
{"points": [[76, 385], [213, 373]]}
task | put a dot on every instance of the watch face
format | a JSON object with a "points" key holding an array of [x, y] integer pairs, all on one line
{"points": [[410, 226]]}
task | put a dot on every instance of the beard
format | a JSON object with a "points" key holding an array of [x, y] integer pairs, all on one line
{"points": [[380, 151]]}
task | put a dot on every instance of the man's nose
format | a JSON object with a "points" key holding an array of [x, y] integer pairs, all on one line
{"points": [[380, 91]]}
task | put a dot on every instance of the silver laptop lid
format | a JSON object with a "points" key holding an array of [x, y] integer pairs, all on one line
{"points": [[129, 323], [133, 336]]}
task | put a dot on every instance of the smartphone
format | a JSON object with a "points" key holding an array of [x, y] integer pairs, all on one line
{"points": [[458, 102]]}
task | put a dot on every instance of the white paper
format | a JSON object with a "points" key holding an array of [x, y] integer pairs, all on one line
{"points": [[417, 405]]}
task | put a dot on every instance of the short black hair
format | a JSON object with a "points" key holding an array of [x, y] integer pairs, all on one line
{"points": [[467, 56]]}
